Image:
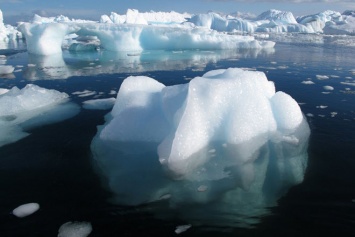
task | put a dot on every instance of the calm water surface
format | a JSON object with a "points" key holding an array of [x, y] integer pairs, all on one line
{"points": [[53, 166]]}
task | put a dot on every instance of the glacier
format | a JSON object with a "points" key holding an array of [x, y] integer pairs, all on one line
{"points": [[24, 109], [226, 138]]}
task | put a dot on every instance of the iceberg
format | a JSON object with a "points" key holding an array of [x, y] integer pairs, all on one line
{"points": [[8, 32], [275, 21], [270, 21], [226, 139], [47, 38], [30, 107]]}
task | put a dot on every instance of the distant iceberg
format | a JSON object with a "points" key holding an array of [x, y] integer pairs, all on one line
{"points": [[171, 30], [225, 138], [8, 32], [47, 38]]}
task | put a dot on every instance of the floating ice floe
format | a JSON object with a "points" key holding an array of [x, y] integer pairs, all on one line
{"points": [[348, 83], [100, 104], [328, 88], [225, 138], [322, 77], [75, 229], [30, 107], [25, 210], [6, 69], [84, 93], [307, 82]]}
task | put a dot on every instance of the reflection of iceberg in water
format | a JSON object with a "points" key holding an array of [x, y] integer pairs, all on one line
{"points": [[63, 66], [221, 147], [46, 67]]}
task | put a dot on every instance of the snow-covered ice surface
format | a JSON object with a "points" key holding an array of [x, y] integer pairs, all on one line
{"points": [[32, 106], [212, 140]]}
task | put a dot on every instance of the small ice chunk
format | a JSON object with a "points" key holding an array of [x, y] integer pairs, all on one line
{"points": [[308, 82], [84, 93], [333, 114], [322, 77], [75, 229], [182, 228], [310, 115], [202, 188], [328, 88], [113, 92], [100, 104], [348, 83], [6, 69], [31, 65], [322, 106], [25, 209]]}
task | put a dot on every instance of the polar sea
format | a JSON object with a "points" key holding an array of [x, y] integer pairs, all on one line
{"points": [[54, 167]]}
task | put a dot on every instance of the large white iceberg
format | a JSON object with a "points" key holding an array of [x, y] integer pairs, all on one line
{"points": [[47, 38], [269, 21], [32, 106], [226, 137], [275, 21]]}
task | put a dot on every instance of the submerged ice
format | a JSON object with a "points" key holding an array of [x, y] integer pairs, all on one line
{"points": [[32, 106], [226, 137]]}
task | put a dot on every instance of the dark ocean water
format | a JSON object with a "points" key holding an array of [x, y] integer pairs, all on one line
{"points": [[54, 167]]}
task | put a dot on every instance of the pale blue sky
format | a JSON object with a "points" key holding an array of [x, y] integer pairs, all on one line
{"points": [[15, 10]]}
